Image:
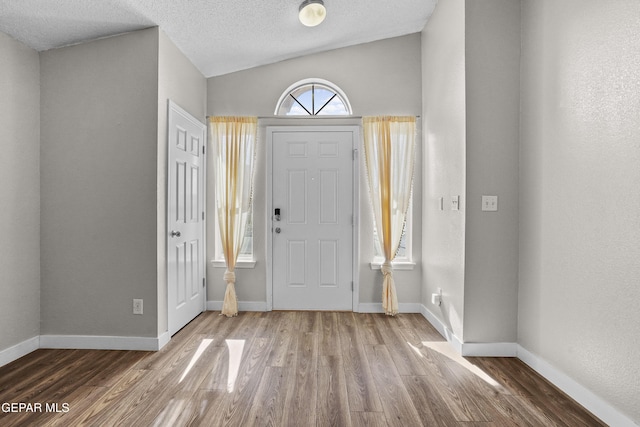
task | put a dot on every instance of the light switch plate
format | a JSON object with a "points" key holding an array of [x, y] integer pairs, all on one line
{"points": [[489, 203]]}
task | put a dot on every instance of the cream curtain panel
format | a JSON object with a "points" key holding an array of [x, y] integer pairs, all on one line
{"points": [[233, 141], [389, 147]]}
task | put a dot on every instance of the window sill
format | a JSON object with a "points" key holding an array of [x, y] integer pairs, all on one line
{"points": [[217, 263], [397, 265]]}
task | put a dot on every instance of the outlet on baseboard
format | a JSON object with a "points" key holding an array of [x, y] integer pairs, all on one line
{"points": [[137, 306], [436, 299]]}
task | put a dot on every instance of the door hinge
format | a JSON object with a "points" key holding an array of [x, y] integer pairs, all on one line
{"points": [[203, 216], [203, 149], [355, 153], [204, 282]]}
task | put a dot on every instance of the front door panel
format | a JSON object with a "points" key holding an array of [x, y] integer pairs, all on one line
{"points": [[313, 188]]}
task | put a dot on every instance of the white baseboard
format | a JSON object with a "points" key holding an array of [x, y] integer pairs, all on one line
{"points": [[17, 351], [91, 342], [493, 349], [577, 391], [372, 307], [376, 307], [442, 329], [163, 340], [82, 342], [242, 306], [490, 349]]}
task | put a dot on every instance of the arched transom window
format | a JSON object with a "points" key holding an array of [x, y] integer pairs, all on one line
{"points": [[313, 97]]}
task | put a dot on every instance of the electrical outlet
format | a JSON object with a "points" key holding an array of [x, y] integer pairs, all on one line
{"points": [[436, 299], [137, 306]]}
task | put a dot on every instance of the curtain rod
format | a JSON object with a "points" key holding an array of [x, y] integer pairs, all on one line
{"points": [[310, 117], [323, 117]]}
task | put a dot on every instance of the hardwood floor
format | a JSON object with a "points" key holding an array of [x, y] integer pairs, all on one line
{"points": [[285, 369]]}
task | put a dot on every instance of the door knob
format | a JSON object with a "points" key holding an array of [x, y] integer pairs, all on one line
{"points": [[175, 234], [278, 230]]}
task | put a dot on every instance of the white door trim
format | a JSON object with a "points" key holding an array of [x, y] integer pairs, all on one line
{"points": [[270, 130]]}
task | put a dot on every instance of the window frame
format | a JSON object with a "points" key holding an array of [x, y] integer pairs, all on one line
{"points": [[309, 82], [244, 260], [399, 263]]}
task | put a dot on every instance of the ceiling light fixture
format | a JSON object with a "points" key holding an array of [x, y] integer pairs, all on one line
{"points": [[312, 12]]}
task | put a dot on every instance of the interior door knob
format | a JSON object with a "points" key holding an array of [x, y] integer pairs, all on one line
{"points": [[175, 234], [278, 230]]}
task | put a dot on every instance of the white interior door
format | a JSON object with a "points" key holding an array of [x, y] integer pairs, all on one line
{"points": [[185, 218], [312, 186]]}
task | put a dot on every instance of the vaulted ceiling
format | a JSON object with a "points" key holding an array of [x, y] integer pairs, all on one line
{"points": [[218, 36]]}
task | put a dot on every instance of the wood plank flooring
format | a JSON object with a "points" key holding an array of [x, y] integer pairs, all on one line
{"points": [[285, 369]]}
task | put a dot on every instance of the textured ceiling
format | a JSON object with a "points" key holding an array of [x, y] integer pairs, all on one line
{"points": [[218, 36]]}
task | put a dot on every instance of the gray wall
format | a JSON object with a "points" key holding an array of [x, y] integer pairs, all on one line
{"points": [[378, 78], [99, 125], [19, 192], [444, 129], [180, 81], [471, 77], [492, 58], [579, 198]]}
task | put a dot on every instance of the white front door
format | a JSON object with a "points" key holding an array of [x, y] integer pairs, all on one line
{"points": [[185, 218], [312, 187]]}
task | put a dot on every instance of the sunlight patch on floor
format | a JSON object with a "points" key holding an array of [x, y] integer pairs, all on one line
{"points": [[236, 347], [415, 349], [201, 348], [446, 350], [171, 413]]}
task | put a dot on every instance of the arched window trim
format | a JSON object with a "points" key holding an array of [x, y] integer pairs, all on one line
{"points": [[310, 81]]}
